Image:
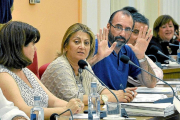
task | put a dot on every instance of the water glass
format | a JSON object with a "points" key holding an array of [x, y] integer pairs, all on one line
{"points": [[174, 57], [113, 110]]}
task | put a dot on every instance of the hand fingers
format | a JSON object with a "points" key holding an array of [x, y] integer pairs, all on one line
{"points": [[99, 35], [113, 45], [140, 32], [144, 32], [135, 93], [98, 38], [104, 34], [131, 88], [130, 92], [148, 36], [79, 103], [129, 96]]}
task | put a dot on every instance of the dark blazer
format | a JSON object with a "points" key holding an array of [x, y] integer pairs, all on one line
{"points": [[163, 47]]}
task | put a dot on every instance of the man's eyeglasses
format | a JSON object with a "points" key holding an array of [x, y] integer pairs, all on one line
{"points": [[119, 28]]}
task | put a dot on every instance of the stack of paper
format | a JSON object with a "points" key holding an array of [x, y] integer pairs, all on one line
{"points": [[148, 109], [144, 98], [156, 90]]}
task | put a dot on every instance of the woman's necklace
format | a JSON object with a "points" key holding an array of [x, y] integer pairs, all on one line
{"points": [[79, 80]]}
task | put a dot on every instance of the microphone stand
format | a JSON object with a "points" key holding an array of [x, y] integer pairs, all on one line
{"points": [[82, 64], [159, 52], [102, 83], [53, 116], [157, 63], [169, 99], [105, 86]]}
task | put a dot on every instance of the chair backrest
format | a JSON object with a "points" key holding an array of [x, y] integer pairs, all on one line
{"points": [[34, 66], [42, 69]]}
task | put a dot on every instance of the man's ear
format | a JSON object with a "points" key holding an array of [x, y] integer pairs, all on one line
{"points": [[108, 26]]}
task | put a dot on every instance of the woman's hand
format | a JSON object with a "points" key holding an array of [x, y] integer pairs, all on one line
{"points": [[76, 105]]}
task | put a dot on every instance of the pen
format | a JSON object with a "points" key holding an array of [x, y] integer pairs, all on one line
{"points": [[78, 95], [121, 86]]}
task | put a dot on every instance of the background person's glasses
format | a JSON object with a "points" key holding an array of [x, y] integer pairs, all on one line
{"points": [[119, 28]]}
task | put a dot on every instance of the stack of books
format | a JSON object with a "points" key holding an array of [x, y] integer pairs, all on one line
{"points": [[148, 109]]}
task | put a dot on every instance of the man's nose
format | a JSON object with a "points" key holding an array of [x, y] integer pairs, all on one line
{"points": [[122, 33]]}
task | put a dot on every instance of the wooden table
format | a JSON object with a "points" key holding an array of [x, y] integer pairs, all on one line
{"points": [[171, 73]]}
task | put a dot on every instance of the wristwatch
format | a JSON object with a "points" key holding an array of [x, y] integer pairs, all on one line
{"points": [[104, 98], [142, 60]]}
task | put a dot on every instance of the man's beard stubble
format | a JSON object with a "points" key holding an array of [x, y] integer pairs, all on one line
{"points": [[113, 39]]}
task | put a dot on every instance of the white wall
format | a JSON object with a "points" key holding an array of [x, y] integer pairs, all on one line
{"points": [[172, 8], [95, 14]]}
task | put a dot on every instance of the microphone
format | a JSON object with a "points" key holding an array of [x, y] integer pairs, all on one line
{"points": [[54, 115], [126, 59], [83, 64], [157, 63], [154, 49]]}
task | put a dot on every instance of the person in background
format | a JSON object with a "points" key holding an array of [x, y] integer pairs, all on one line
{"points": [[140, 20], [63, 77], [19, 84], [164, 29], [111, 70]]}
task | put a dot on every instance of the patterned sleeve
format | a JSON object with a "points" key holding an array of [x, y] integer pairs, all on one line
{"points": [[59, 79]]}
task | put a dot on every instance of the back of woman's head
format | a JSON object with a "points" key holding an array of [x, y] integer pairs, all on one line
{"points": [[13, 37], [72, 30], [162, 20]]}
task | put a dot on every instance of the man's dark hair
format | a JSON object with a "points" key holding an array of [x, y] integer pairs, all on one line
{"points": [[13, 37], [125, 12], [130, 9]]}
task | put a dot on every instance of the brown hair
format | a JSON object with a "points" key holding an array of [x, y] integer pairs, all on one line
{"points": [[13, 37], [161, 20], [73, 29]]}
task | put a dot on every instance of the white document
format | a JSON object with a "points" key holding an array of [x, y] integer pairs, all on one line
{"points": [[148, 109], [148, 98], [176, 103], [80, 116], [155, 90]]}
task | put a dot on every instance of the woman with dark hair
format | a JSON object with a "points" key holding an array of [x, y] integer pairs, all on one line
{"points": [[19, 84], [164, 30]]}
